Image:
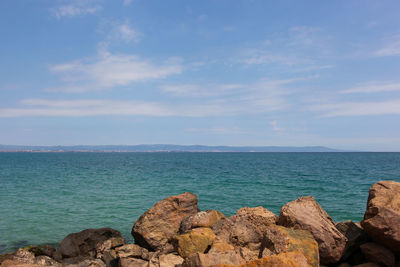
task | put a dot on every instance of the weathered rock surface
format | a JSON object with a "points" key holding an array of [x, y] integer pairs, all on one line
{"points": [[212, 259], [288, 259], [170, 260], [368, 264], [279, 239], [382, 217], [39, 250], [306, 214], [46, 261], [132, 250], [354, 234], [245, 229], [201, 219], [160, 223], [85, 243], [132, 262], [197, 240], [378, 254]]}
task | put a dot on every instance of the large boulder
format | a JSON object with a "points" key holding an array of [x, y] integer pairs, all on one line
{"points": [[279, 239], [378, 254], [160, 223], [197, 240], [87, 242], [382, 217], [288, 259], [306, 214], [355, 236], [245, 228], [201, 219]]}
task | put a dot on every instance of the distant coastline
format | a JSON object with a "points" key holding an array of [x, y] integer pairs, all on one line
{"points": [[165, 148]]}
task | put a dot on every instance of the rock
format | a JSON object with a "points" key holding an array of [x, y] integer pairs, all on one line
{"points": [[16, 263], [344, 264], [279, 239], [132, 262], [46, 261], [306, 214], [109, 244], [288, 259], [378, 254], [86, 242], [245, 229], [161, 222], [170, 260], [248, 254], [259, 216], [197, 240], [212, 259], [201, 219], [220, 246], [132, 250], [382, 217], [45, 250], [368, 264], [87, 263], [354, 234]]}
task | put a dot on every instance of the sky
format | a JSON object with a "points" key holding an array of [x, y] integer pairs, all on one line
{"points": [[210, 72]]}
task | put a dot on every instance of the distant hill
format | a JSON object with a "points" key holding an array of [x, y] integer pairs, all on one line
{"points": [[167, 148]]}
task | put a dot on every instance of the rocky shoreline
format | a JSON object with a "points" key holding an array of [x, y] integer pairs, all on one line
{"points": [[174, 232]]}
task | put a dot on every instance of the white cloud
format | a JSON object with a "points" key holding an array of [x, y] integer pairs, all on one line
{"points": [[274, 125], [125, 32], [108, 70], [391, 107], [127, 2], [392, 48], [373, 87], [76, 8]]}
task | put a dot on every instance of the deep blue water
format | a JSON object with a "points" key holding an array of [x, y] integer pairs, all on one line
{"points": [[45, 196]]}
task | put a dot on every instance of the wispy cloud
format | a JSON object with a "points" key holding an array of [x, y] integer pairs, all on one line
{"points": [[76, 8], [107, 71], [373, 87], [217, 130], [274, 125], [391, 107], [391, 48], [127, 2]]}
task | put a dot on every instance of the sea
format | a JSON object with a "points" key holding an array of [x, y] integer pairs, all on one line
{"points": [[46, 196]]}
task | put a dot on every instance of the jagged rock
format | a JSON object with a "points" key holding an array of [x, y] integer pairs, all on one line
{"points": [[87, 263], [288, 259], [201, 219], [279, 239], [382, 217], [306, 214], [212, 259], [169, 260], [197, 240], [132, 262], [355, 236], [245, 228], [16, 263], [161, 222], [219, 246], [248, 254], [378, 254], [39, 250], [132, 250], [46, 261], [258, 215], [84, 243], [109, 244]]}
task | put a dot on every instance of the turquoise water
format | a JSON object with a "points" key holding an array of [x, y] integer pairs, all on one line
{"points": [[45, 196]]}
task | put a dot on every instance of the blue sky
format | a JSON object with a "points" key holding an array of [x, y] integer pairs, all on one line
{"points": [[293, 73]]}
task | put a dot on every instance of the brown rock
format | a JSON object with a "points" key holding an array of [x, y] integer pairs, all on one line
{"points": [[197, 240], [45, 250], [368, 264], [170, 260], [46, 261], [279, 239], [355, 236], [211, 259], [245, 229], [132, 250], [288, 259], [220, 246], [87, 263], [378, 254], [84, 243], [132, 262], [16, 263], [109, 244], [201, 219], [382, 217], [306, 214], [161, 222]]}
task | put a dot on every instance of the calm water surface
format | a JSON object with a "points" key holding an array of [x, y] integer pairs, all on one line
{"points": [[45, 196]]}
